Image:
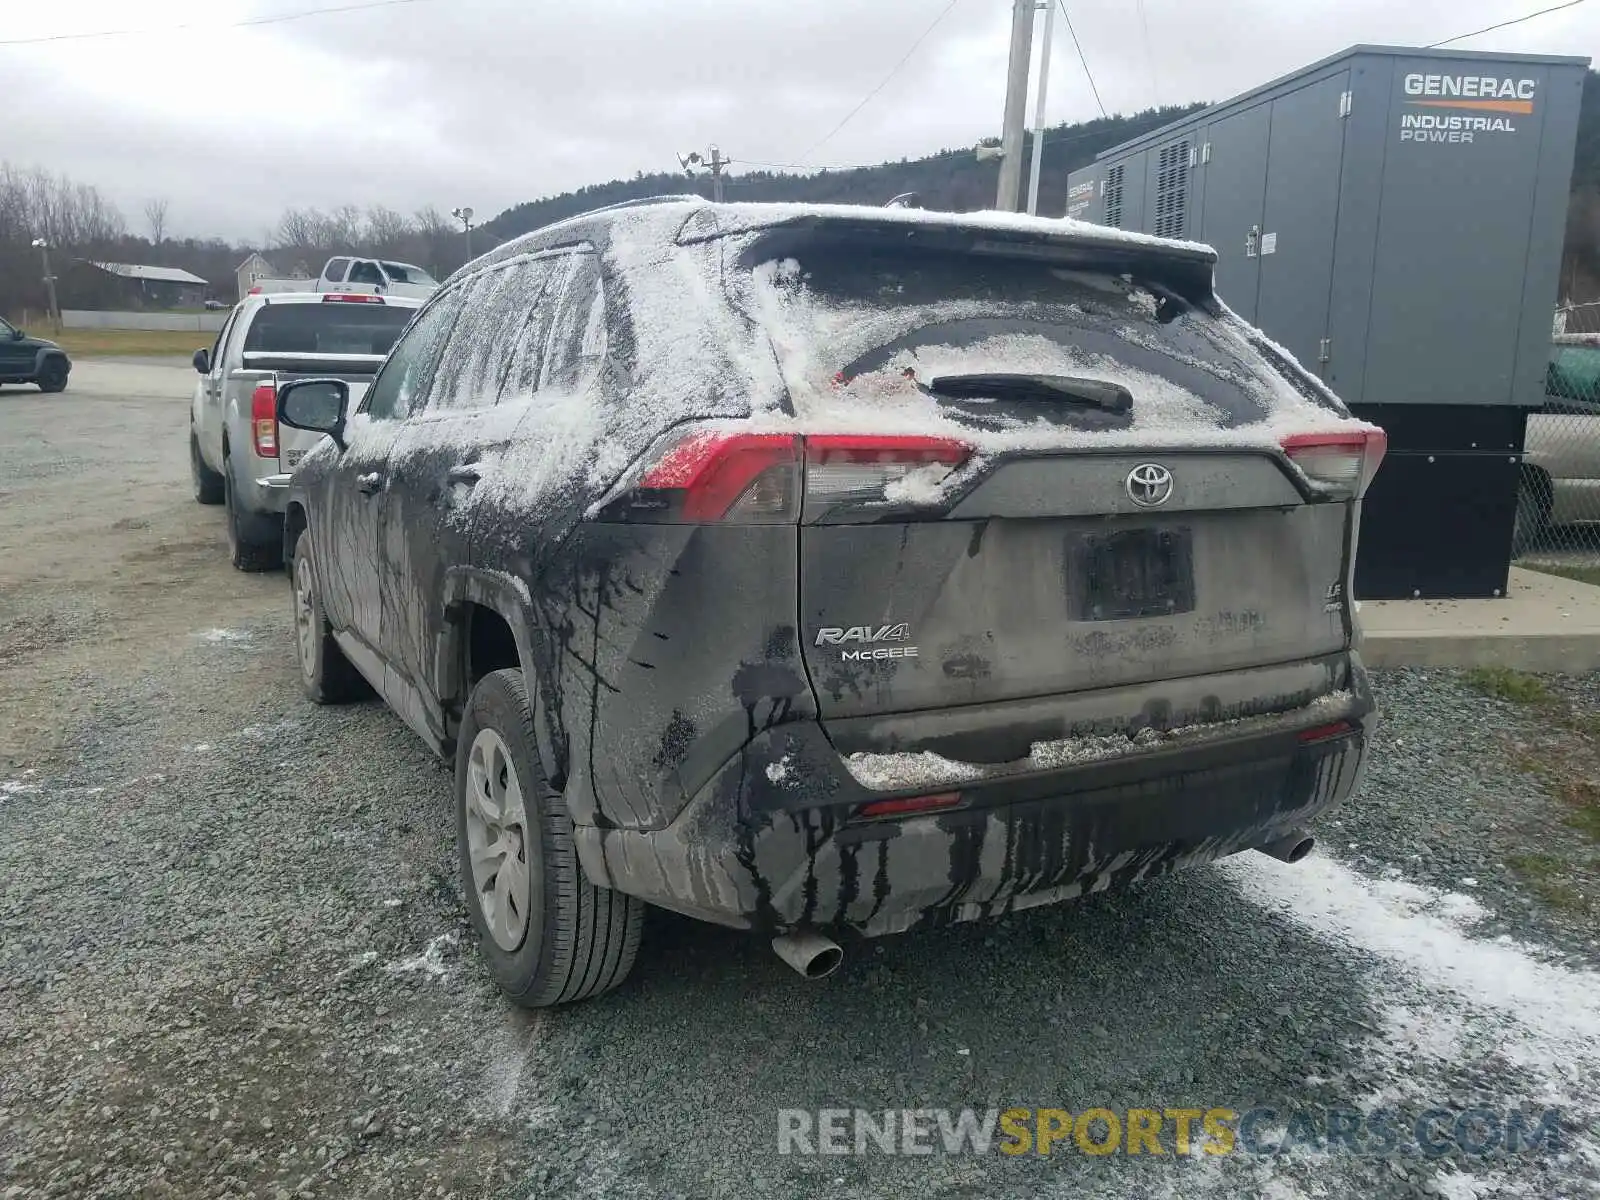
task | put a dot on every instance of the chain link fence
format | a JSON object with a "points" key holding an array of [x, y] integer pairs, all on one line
{"points": [[1558, 506]]}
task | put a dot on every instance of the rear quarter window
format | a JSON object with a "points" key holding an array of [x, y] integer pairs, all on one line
{"points": [[498, 308]]}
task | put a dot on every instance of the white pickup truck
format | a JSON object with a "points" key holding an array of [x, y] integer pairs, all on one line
{"points": [[238, 453], [354, 275]]}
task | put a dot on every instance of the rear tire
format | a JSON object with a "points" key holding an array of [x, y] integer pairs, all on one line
{"points": [[548, 935], [207, 483], [326, 674], [245, 554], [53, 378]]}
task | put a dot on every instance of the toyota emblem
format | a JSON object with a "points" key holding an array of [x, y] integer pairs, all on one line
{"points": [[1149, 485]]}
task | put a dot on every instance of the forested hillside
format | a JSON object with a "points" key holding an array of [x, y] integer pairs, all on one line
{"points": [[952, 179], [82, 223]]}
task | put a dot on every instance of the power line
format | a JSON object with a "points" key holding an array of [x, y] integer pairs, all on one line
{"points": [[1079, 45], [1149, 55], [870, 96], [273, 19], [1461, 37]]}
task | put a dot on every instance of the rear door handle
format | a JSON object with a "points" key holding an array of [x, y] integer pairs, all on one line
{"points": [[368, 484], [467, 473]]}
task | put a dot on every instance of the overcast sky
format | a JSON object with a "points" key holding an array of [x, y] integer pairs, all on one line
{"points": [[491, 102]]}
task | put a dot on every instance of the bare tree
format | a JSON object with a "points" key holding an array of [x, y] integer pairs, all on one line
{"points": [[155, 217], [387, 231], [297, 229]]}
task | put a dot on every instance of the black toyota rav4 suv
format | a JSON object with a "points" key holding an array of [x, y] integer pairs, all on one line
{"points": [[827, 570]]}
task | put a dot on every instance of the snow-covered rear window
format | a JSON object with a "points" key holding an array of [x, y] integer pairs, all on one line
{"points": [[875, 318]]}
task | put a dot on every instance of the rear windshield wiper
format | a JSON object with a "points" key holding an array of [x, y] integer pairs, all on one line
{"points": [[1069, 389]]}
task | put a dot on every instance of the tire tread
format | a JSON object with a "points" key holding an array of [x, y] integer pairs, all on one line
{"points": [[591, 934]]}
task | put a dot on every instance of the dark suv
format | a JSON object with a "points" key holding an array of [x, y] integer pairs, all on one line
{"points": [[836, 569], [25, 359]]}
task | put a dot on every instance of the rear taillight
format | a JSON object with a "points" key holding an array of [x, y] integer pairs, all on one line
{"points": [[707, 475], [711, 476], [264, 420], [351, 298], [1340, 463]]}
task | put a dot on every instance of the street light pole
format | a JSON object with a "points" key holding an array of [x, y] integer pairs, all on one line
{"points": [[464, 215], [49, 284], [1022, 15]]}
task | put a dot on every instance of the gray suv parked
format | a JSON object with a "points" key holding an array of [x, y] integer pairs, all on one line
{"points": [[835, 570]]}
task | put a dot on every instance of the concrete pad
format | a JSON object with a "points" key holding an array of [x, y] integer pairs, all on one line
{"points": [[1546, 623]]}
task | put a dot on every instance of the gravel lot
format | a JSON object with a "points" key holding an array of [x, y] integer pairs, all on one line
{"points": [[233, 958]]}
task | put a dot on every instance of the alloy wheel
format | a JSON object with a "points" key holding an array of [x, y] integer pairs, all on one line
{"points": [[497, 840]]}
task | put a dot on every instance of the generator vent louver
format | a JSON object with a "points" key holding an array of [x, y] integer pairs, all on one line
{"points": [[1114, 196], [1172, 190]]}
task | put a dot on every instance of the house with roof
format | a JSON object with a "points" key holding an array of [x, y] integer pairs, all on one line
{"points": [[256, 268], [108, 285], [251, 271]]}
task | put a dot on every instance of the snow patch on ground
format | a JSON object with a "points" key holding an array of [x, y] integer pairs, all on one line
{"points": [[517, 1046], [1550, 1013], [224, 637], [431, 962], [779, 771], [1447, 995]]}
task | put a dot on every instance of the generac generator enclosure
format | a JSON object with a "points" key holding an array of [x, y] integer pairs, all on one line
{"points": [[1395, 218]]}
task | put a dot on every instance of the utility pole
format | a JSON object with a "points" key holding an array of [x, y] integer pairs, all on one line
{"points": [[464, 215], [713, 161], [1016, 120], [717, 163], [49, 284], [1038, 113]]}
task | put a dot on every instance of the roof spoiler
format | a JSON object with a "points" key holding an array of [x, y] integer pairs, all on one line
{"points": [[1186, 269]]}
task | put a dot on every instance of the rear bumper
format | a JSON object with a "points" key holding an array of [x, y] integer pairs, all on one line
{"points": [[265, 491], [770, 843]]}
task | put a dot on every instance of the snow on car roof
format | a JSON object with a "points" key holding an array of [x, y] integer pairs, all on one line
{"points": [[750, 218], [691, 219]]}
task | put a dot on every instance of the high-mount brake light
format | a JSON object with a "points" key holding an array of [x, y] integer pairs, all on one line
{"points": [[351, 298], [710, 474], [1340, 463], [264, 420]]}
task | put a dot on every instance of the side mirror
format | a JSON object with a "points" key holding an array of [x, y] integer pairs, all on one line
{"points": [[202, 361], [17, 335], [315, 405]]}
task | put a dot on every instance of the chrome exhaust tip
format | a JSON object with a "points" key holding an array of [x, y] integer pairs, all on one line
{"points": [[811, 954], [1290, 848]]}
